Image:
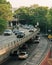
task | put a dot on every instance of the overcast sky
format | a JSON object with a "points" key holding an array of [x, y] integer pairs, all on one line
{"points": [[19, 3]]}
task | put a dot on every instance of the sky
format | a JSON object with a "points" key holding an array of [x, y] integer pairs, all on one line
{"points": [[19, 3]]}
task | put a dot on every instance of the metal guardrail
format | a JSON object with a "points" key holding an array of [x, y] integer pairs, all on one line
{"points": [[16, 42]]}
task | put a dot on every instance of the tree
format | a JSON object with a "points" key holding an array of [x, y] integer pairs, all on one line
{"points": [[40, 16], [22, 14], [2, 1], [5, 14], [5, 10], [49, 19], [35, 14], [3, 25]]}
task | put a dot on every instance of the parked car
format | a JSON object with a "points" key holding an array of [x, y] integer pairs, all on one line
{"points": [[20, 34], [8, 32], [22, 55]]}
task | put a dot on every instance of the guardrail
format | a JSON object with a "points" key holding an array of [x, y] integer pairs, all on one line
{"points": [[16, 42]]}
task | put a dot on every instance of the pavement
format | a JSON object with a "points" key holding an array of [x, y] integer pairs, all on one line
{"points": [[8, 41], [35, 55]]}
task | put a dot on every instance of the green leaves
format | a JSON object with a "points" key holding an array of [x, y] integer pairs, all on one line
{"points": [[35, 14], [5, 10], [2, 1], [5, 14], [3, 25]]}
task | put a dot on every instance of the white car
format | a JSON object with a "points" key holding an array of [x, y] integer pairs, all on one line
{"points": [[22, 55], [36, 41], [39, 38], [7, 32]]}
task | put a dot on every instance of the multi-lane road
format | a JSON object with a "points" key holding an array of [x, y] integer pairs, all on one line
{"points": [[35, 53], [4, 40]]}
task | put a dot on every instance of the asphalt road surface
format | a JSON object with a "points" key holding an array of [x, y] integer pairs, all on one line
{"points": [[31, 50], [5, 40], [15, 61]]}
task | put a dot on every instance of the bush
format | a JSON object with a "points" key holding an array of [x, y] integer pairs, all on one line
{"points": [[3, 25]]}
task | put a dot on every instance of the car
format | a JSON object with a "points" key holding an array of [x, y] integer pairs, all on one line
{"points": [[22, 55], [13, 53], [31, 30], [8, 32], [20, 34], [24, 47], [36, 41], [22, 31], [16, 32], [39, 38], [50, 39], [31, 26], [26, 27]]}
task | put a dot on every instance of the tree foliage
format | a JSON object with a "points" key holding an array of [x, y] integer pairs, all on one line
{"points": [[49, 18], [35, 14], [5, 14], [2, 1], [5, 10], [3, 25]]}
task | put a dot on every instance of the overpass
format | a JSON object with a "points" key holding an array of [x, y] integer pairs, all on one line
{"points": [[11, 43]]}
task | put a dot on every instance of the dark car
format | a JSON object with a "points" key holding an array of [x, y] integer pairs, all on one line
{"points": [[16, 32], [31, 30], [20, 35]]}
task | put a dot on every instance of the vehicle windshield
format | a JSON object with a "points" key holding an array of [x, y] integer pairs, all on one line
{"points": [[7, 30], [19, 32]]}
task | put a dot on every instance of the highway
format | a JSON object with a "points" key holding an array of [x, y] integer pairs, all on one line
{"points": [[35, 53], [4, 40]]}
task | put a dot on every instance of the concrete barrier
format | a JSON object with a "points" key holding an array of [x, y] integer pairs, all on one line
{"points": [[14, 45]]}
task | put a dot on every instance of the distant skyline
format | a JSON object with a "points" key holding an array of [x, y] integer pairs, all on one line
{"points": [[19, 3]]}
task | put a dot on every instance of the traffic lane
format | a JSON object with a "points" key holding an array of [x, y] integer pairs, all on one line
{"points": [[15, 60], [32, 53], [36, 53], [27, 30], [4, 39]]}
